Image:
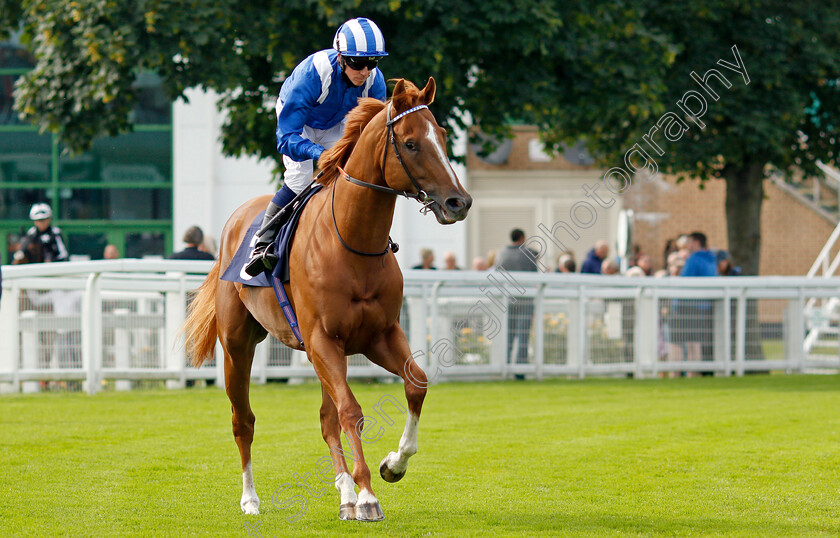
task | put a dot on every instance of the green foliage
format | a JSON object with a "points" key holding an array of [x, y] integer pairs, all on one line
{"points": [[601, 70]]}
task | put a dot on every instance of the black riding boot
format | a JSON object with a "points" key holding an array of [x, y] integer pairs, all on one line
{"points": [[263, 257]]}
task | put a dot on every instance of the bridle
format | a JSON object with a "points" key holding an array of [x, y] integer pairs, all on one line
{"points": [[419, 194]]}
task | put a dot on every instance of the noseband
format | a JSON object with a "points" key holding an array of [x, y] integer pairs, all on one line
{"points": [[420, 195]]}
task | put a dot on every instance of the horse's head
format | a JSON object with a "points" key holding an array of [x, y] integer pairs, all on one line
{"points": [[417, 154]]}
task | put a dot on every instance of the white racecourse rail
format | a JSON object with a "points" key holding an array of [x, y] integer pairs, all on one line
{"points": [[110, 324]]}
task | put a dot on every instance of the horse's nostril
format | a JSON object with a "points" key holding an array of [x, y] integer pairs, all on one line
{"points": [[454, 204]]}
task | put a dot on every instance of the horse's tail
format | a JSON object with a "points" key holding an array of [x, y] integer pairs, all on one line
{"points": [[200, 325]]}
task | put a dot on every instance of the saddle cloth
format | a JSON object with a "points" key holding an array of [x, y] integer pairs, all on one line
{"points": [[235, 272]]}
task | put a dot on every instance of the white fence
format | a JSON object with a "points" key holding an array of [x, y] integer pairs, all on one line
{"points": [[114, 325]]}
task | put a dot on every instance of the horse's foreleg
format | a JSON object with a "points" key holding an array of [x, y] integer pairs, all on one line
{"points": [[393, 354], [331, 367], [331, 430]]}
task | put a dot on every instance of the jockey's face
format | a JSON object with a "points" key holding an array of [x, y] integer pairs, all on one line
{"points": [[357, 77], [42, 224]]}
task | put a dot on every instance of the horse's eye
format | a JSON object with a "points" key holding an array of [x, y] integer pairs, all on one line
{"points": [[410, 146]]}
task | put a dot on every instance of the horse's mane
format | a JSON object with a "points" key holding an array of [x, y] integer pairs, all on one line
{"points": [[357, 119], [337, 155]]}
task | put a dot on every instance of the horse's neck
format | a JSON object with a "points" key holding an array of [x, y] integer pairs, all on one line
{"points": [[363, 215]]}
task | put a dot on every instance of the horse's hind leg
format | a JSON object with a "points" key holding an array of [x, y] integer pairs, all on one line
{"points": [[331, 430], [394, 354], [239, 335]]}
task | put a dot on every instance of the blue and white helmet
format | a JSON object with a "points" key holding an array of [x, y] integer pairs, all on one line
{"points": [[359, 37], [40, 212]]}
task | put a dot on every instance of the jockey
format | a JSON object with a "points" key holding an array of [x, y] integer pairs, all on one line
{"points": [[311, 109], [42, 242]]}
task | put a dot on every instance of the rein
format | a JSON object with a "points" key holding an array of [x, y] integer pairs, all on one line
{"points": [[420, 195]]}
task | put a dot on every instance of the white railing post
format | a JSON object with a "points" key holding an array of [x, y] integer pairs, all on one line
{"points": [[580, 337], [741, 333], [91, 319], [175, 312], [656, 309], [122, 347], [498, 344], [299, 360], [9, 343], [645, 334], [260, 362], [434, 334], [30, 348], [718, 312], [795, 331], [539, 331], [727, 331]]}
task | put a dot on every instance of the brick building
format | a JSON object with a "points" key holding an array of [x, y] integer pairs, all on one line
{"points": [[521, 186]]}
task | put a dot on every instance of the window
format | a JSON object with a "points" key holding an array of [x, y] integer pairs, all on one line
{"points": [[120, 192]]}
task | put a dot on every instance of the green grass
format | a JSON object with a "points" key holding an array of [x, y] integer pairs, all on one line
{"points": [[753, 456]]}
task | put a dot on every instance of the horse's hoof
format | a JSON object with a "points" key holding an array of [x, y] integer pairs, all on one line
{"points": [[387, 474], [369, 512], [347, 512], [251, 507]]}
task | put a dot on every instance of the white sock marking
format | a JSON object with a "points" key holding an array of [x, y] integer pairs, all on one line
{"points": [[345, 486]]}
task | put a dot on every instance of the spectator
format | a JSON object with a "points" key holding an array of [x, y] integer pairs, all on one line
{"points": [[675, 264], [695, 315], [479, 264], [12, 247], [635, 271], [633, 255], [682, 246], [491, 259], [595, 258], [193, 238], [449, 262], [700, 262], [610, 267], [208, 245], [725, 267], [521, 309], [427, 257], [670, 246], [42, 242], [111, 252], [566, 263], [644, 262]]}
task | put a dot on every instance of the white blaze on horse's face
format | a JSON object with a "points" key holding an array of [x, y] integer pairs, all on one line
{"points": [[431, 135]]}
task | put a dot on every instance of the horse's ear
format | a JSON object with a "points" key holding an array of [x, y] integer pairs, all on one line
{"points": [[427, 96], [399, 97]]}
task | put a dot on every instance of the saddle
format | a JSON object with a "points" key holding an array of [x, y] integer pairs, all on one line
{"points": [[282, 246]]}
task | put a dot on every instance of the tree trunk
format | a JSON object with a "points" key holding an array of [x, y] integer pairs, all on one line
{"points": [[744, 196]]}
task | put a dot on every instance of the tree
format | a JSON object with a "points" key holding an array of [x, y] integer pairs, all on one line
{"points": [[781, 114], [89, 52], [605, 71]]}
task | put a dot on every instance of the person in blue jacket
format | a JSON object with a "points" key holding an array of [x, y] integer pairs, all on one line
{"points": [[701, 261], [311, 110]]}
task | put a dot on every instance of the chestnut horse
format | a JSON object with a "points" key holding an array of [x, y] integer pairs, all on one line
{"points": [[345, 284]]}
